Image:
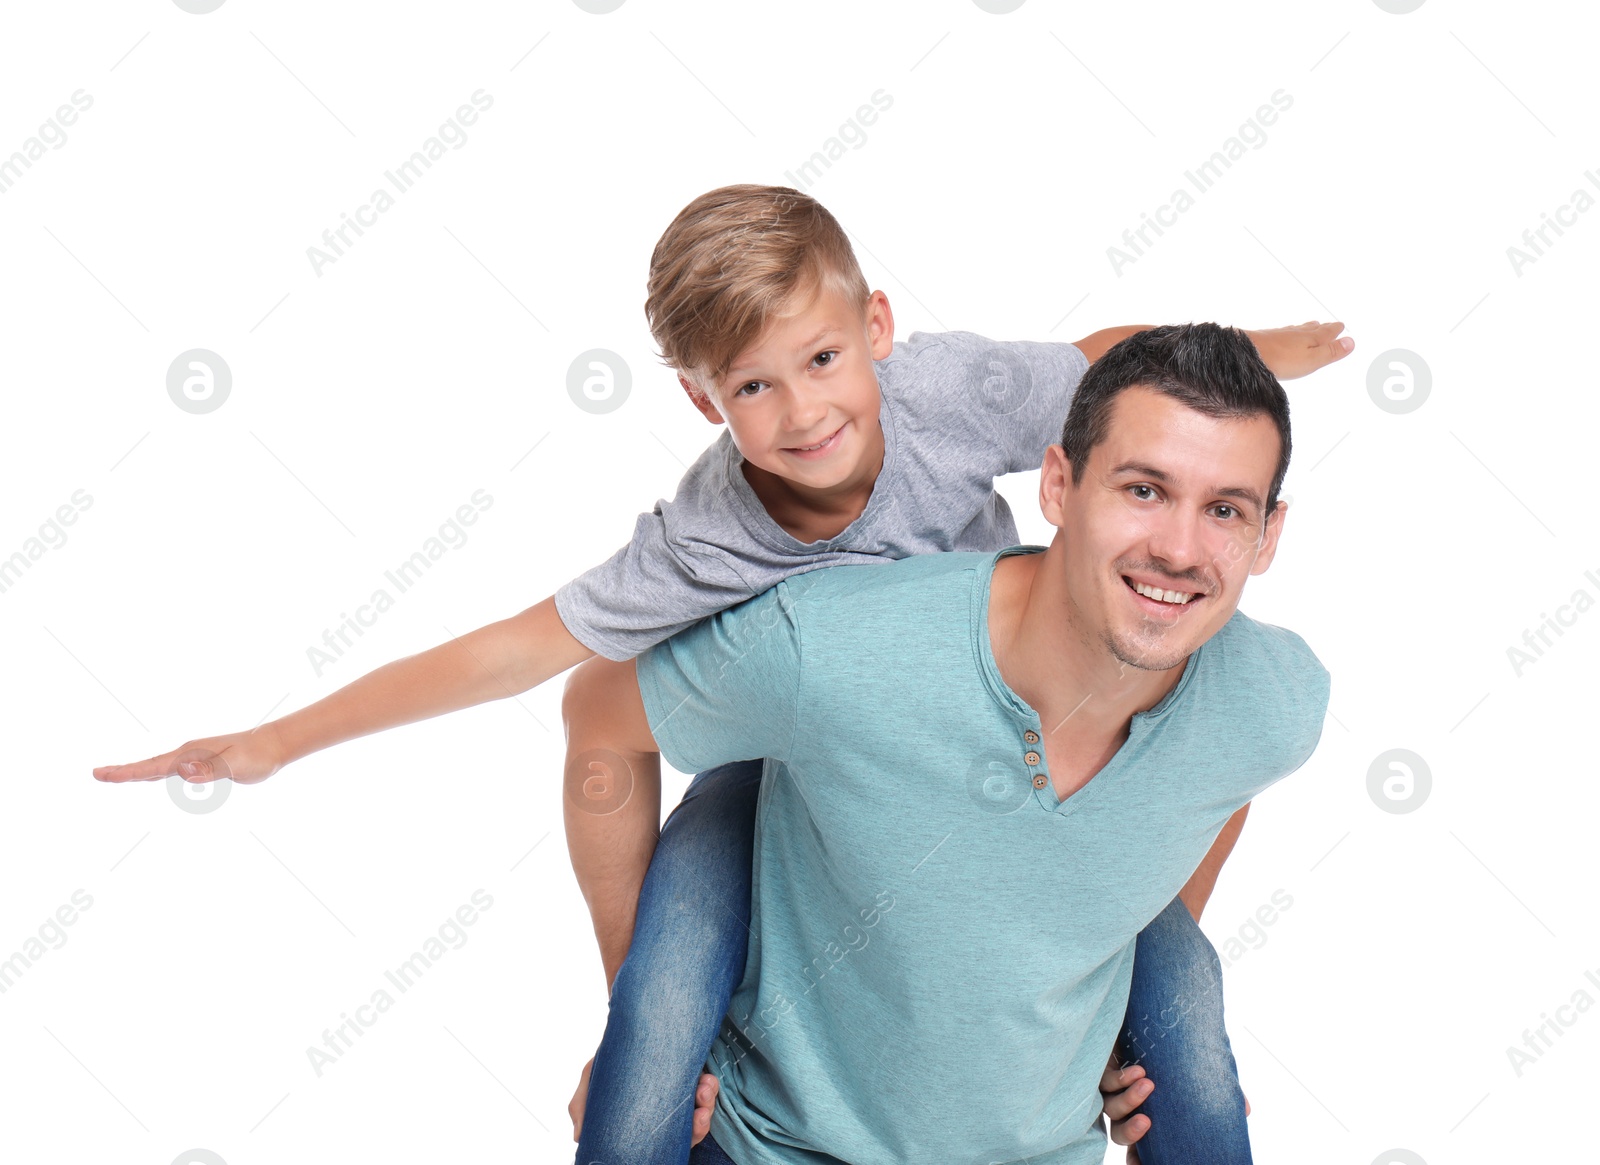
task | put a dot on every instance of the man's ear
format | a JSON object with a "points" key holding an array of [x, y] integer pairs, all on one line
{"points": [[700, 401], [1269, 538], [880, 325], [1055, 479]]}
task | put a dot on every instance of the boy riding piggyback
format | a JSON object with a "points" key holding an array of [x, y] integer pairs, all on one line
{"points": [[841, 446]]}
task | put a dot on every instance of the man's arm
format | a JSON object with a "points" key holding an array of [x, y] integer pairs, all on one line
{"points": [[613, 798], [501, 659], [1197, 890]]}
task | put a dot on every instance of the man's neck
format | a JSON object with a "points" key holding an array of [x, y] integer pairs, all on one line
{"points": [[1044, 656], [812, 515]]}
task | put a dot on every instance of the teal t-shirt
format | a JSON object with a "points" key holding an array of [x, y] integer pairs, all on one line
{"points": [[941, 949]]}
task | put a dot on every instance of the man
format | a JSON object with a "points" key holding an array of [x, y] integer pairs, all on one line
{"points": [[965, 752]]}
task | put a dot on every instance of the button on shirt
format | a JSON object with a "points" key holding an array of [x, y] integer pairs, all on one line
{"points": [[928, 917]]}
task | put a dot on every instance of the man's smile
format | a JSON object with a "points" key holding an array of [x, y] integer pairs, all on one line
{"points": [[1164, 601]]}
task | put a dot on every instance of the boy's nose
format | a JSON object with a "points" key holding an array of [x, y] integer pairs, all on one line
{"points": [[806, 412]]}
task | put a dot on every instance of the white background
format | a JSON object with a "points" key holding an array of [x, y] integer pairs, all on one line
{"points": [[371, 400]]}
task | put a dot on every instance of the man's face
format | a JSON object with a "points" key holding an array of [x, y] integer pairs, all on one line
{"points": [[1171, 499], [802, 401]]}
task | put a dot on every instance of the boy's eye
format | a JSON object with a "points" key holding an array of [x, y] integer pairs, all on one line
{"points": [[740, 391], [825, 358]]}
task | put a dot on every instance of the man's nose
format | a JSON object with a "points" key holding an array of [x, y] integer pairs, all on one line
{"points": [[1175, 539]]}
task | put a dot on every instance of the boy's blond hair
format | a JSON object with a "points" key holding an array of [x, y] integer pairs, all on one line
{"points": [[734, 260]]}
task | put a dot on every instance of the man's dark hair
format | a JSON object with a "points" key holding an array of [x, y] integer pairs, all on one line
{"points": [[1213, 369]]}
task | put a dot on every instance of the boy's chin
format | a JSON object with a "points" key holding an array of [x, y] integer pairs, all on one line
{"points": [[816, 474]]}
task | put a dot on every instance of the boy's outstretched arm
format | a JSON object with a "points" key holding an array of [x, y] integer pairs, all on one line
{"points": [[1291, 352], [501, 659]]}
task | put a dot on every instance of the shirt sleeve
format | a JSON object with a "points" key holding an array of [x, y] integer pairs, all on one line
{"points": [[1301, 688], [728, 688], [1016, 390], [649, 590]]}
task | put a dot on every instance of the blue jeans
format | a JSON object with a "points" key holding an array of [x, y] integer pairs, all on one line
{"points": [[689, 941], [1173, 1027], [708, 1152], [688, 953]]}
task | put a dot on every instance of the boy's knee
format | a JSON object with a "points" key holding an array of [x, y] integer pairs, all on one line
{"points": [[673, 1015]]}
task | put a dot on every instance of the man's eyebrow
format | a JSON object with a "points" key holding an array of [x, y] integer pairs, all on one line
{"points": [[825, 331], [1243, 492]]}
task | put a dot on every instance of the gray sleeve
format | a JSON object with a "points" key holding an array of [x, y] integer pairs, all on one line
{"points": [[646, 592], [1016, 390]]}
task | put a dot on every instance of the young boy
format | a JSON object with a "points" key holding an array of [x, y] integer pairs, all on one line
{"points": [[841, 448]]}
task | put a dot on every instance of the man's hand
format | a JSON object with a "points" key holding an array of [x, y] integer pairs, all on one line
{"points": [[579, 1099], [705, 1099], [1302, 349], [1122, 1091]]}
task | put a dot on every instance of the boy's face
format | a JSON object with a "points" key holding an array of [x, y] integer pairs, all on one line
{"points": [[802, 401], [1157, 505]]}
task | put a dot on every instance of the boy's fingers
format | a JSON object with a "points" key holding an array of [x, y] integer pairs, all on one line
{"points": [[200, 765], [144, 770]]}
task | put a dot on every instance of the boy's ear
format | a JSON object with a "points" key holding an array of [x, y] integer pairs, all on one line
{"points": [[701, 401], [880, 325]]}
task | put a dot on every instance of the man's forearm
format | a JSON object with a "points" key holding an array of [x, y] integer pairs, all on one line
{"points": [[612, 803], [610, 856], [1197, 891], [499, 660]]}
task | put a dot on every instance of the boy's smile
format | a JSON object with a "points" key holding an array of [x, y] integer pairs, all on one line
{"points": [[821, 449]]}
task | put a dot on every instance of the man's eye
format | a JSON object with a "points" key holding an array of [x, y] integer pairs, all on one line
{"points": [[1152, 490]]}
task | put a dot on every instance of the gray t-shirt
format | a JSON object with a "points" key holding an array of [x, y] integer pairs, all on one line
{"points": [[957, 411]]}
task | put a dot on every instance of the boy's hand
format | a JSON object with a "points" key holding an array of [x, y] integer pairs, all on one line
{"points": [[705, 1099], [1302, 349], [1121, 1092], [245, 757]]}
